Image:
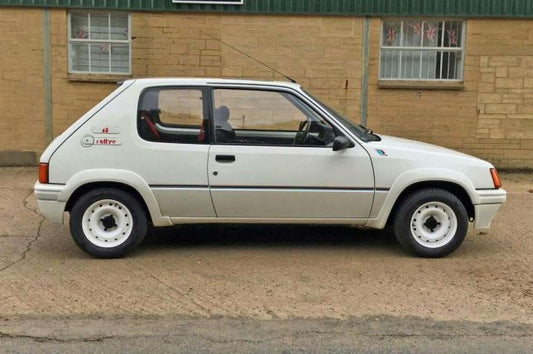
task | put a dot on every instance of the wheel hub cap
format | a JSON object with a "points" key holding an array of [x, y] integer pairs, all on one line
{"points": [[433, 224], [107, 223]]}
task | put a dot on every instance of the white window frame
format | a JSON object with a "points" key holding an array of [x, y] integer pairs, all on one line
{"points": [[109, 41], [439, 48]]}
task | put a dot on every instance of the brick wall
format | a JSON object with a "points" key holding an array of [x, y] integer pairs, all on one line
{"points": [[21, 83], [490, 118]]}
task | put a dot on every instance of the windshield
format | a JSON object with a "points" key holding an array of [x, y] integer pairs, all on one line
{"points": [[362, 132]]}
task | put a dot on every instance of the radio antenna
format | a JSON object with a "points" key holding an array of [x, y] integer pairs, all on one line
{"points": [[249, 56]]}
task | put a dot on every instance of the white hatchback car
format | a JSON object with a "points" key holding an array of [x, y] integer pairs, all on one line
{"points": [[172, 151]]}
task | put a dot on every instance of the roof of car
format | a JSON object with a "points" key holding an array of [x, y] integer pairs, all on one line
{"points": [[212, 81]]}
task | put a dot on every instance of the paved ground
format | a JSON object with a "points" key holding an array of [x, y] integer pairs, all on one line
{"points": [[264, 288]]}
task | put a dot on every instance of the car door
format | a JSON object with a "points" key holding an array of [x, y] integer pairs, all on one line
{"points": [[263, 167]]}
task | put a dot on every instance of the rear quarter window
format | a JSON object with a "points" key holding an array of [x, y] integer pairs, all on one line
{"points": [[172, 115]]}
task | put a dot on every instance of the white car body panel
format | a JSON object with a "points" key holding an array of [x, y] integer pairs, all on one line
{"points": [[291, 182], [358, 185]]}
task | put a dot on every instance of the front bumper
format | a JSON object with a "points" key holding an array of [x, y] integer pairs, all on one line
{"points": [[485, 210], [50, 207]]}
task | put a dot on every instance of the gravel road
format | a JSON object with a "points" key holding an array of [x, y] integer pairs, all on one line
{"points": [[260, 278]]}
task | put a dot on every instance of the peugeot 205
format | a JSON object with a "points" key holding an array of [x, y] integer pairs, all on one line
{"points": [[160, 152]]}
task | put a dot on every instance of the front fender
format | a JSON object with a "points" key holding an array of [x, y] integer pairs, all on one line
{"points": [[129, 178], [412, 177]]}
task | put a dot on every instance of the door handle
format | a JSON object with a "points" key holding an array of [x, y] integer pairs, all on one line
{"points": [[225, 158]]}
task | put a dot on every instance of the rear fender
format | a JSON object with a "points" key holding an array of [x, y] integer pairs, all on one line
{"points": [[117, 176]]}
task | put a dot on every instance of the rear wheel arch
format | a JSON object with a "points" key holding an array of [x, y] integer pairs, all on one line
{"points": [[83, 189], [454, 188]]}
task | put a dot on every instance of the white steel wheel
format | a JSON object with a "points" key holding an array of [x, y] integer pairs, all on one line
{"points": [[433, 224], [430, 222], [107, 223]]}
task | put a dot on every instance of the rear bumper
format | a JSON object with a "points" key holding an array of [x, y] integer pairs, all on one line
{"points": [[489, 203], [50, 207]]}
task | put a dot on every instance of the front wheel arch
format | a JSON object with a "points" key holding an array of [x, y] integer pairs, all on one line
{"points": [[451, 187]]}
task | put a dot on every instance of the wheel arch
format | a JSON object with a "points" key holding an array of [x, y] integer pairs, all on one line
{"points": [[454, 188], [453, 181], [85, 188], [123, 180]]}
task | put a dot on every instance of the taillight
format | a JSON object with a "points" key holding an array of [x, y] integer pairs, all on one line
{"points": [[43, 173], [495, 178]]}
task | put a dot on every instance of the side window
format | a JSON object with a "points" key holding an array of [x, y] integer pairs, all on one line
{"points": [[172, 115], [255, 117]]}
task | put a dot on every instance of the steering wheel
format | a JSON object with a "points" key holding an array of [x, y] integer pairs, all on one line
{"points": [[303, 133]]}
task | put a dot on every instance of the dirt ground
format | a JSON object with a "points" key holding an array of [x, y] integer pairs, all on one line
{"points": [[264, 272]]}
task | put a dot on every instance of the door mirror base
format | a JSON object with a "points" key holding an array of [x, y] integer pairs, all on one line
{"points": [[341, 143]]}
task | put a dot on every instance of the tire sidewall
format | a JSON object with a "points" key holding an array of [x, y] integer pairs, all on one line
{"points": [[402, 222], [137, 213]]}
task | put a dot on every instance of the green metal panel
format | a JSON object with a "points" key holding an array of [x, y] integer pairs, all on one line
{"points": [[453, 8]]}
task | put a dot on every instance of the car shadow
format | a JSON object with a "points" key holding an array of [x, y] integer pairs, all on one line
{"points": [[267, 235]]}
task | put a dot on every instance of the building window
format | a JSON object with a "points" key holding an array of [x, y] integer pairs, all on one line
{"points": [[99, 43], [414, 49]]}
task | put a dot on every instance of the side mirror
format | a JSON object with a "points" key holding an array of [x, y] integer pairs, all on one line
{"points": [[341, 143]]}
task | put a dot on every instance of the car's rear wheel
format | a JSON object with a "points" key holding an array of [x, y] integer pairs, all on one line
{"points": [[431, 222], [107, 222]]}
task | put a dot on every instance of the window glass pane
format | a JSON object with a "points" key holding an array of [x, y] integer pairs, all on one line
{"points": [[79, 56], [79, 26], [452, 34], [264, 110], [410, 64], [119, 27], [120, 58], [99, 57], [451, 65], [431, 34], [390, 63], [255, 117], [180, 107], [412, 33], [391, 33], [429, 65], [172, 116], [99, 26]]}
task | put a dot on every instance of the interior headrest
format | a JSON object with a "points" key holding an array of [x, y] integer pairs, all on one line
{"points": [[221, 114]]}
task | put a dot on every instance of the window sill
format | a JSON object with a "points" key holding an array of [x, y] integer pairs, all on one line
{"points": [[421, 85], [114, 78]]}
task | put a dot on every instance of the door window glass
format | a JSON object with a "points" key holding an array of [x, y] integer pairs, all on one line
{"points": [[255, 117]]}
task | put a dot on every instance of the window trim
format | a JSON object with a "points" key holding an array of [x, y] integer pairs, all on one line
{"points": [[268, 89], [111, 41], [206, 112], [453, 84]]}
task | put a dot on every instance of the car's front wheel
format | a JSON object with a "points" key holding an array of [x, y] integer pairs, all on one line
{"points": [[107, 222], [431, 222]]}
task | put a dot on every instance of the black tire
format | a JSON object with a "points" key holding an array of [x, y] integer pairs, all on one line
{"points": [[133, 214], [416, 241]]}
